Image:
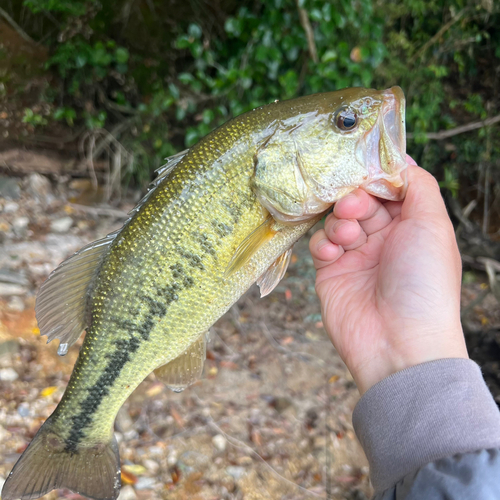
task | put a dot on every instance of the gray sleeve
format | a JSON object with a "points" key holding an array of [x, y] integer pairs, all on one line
{"points": [[434, 422]]}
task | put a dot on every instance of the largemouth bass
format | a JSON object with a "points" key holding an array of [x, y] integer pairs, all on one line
{"points": [[219, 217]]}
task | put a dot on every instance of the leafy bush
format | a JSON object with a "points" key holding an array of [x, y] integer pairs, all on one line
{"points": [[162, 76]]}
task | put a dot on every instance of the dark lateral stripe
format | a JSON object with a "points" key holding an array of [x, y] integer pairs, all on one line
{"points": [[117, 360]]}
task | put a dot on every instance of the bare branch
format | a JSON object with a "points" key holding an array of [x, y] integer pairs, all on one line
{"points": [[445, 134], [16, 27], [306, 24], [438, 35]]}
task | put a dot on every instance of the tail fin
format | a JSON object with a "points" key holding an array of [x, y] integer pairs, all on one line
{"points": [[46, 464]]}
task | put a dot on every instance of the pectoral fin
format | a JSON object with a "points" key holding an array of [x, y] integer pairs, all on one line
{"points": [[274, 274], [182, 371], [250, 245]]}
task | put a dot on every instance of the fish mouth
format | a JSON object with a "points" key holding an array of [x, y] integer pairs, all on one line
{"points": [[384, 149]]}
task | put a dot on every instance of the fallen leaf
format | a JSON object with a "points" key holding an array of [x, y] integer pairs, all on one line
{"points": [[128, 478], [48, 391], [177, 417]]}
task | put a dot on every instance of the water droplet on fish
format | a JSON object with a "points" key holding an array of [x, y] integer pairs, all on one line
{"points": [[177, 389]]}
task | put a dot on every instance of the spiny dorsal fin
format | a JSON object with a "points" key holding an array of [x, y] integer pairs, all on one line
{"points": [[250, 245], [163, 172], [274, 274], [182, 371], [61, 303]]}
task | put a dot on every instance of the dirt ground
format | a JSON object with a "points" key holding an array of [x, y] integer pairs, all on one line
{"points": [[271, 417]]}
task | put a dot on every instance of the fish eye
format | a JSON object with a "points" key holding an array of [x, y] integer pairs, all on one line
{"points": [[346, 119]]}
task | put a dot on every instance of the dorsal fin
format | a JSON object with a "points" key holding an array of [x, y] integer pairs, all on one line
{"points": [[274, 273], [61, 303], [185, 369], [163, 172]]}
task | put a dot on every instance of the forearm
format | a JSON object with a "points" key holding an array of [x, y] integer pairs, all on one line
{"points": [[422, 414]]}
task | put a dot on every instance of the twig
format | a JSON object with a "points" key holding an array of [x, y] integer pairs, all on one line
{"points": [[16, 27], [486, 211], [243, 446], [300, 355], [438, 35], [306, 24], [478, 300], [445, 134], [112, 212]]}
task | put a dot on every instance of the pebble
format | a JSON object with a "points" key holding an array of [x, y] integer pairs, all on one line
{"points": [[10, 207], [24, 410], [11, 289], [145, 483], [16, 304], [19, 224], [8, 375], [61, 225], [172, 458], [9, 187], [151, 465], [39, 188], [123, 422], [235, 471], [127, 493], [220, 442]]}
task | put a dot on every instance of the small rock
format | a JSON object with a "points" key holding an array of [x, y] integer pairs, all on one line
{"points": [[220, 442], [235, 471], [23, 409], [10, 207], [145, 483], [172, 458], [20, 224], [61, 225], [151, 465], [39, 187], [4, 434], [10, 289], [8, 375], [16, 304], [9, 348], [9, 188], [127, 493]]}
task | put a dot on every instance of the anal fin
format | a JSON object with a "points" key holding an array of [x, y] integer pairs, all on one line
{"points": [[185, 369], [274, 274], [250, 245]]}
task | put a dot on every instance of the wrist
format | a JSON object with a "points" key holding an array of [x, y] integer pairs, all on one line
{"points": [[393, 358]]}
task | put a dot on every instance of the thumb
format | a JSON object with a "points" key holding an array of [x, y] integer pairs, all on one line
{"points": [[423, 198]]}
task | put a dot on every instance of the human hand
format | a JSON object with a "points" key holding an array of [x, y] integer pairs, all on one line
{"points": [[388, 278]]}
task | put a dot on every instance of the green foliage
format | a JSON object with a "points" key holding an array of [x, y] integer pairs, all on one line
{"points": [[33, 118], [166, 75]]}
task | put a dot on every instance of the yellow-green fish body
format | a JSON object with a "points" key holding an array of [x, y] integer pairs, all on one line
{"points": [[221, 215]]}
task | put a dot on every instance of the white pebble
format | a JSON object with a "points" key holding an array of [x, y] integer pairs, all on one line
{"points": [[8, 375], [235, 471], [145, 483], [10, 207], [61, 225], [151, 465], [220, 442], [172, 458], [127, 493]]}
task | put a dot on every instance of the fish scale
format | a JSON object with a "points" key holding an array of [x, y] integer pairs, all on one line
{"points": [[197, 242]]}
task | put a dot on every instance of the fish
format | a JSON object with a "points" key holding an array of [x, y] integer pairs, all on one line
{"points": [[219, 217]]}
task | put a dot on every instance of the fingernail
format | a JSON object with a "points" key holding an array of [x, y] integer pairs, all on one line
{"points": [[338, 224], [322, 244]]}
